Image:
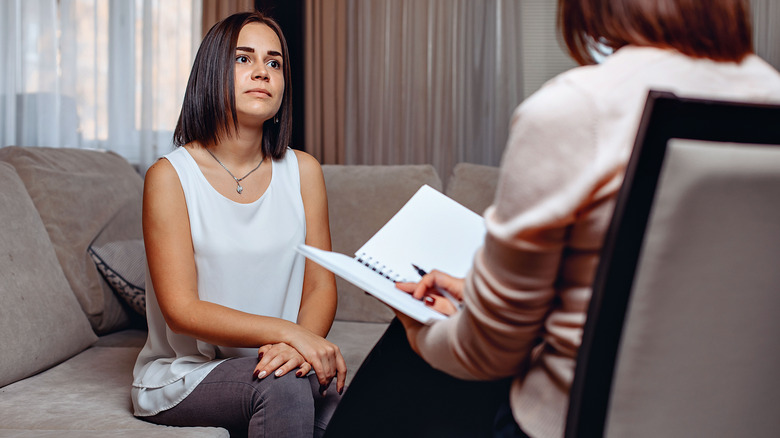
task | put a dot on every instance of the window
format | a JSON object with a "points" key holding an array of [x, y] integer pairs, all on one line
{"points": [[96, 73]]}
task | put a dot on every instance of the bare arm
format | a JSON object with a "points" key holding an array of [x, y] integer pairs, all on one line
{"points": [[319, 300]]}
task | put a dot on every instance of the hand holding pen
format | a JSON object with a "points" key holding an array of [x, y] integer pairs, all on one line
{"points": [[441, 291]]}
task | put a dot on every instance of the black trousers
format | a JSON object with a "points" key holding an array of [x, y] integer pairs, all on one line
{"points": [[397, 394]]}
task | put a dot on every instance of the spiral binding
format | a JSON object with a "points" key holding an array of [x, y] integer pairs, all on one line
{"points": [[374, 265]]}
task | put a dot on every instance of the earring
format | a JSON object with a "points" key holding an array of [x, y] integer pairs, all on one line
{"points": [[276, 119]]}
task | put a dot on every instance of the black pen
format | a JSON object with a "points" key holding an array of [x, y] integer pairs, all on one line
{"points": [[458, 304]]}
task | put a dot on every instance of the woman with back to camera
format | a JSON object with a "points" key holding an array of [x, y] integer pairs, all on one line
{"points": [[236, 317], [527, 294]]}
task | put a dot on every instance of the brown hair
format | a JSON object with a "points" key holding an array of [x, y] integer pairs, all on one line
{"points": [[208, 113], [716, 29]]}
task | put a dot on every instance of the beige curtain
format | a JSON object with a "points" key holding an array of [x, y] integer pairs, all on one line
{"points": [[766, 30], [215, 10], [325, 79], [425, 81], [431, 81]]}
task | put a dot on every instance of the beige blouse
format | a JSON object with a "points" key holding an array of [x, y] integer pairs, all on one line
{"points": [[528, 292]]}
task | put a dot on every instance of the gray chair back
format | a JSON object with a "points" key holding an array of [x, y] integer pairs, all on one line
{"points": [[681, 337]]}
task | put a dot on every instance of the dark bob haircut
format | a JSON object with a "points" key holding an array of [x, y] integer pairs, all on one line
{"points": [[716, 29], [208, 113]]}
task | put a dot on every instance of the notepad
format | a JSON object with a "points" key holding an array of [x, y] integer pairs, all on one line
{"points": [[431, 231]]}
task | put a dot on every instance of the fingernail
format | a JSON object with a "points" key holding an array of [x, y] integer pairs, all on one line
{"points": [[323, 390], [340, 391], [255, 373], [259, 356], [429, 300], [278, 372], [261, 375], [298, 373]]}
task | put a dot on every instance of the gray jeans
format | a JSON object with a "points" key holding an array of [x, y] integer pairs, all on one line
{"points": [[231, 398]]}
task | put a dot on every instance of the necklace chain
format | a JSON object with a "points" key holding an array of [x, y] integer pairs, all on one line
{"points": [[239, 189]]}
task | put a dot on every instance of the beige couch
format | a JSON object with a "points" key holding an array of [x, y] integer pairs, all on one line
{"points": [[69, 340]]}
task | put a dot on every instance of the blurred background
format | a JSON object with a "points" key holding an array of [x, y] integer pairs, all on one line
{"points": [[374, 81]]}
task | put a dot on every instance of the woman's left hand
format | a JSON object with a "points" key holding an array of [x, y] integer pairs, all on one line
{"points": [[280, 359]]}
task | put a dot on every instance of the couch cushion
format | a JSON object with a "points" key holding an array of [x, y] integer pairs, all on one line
{"points": [[360, 200], [41, 323], [89, 393], [124, 338], [123, 266], [473, 185], [125, 226], [79, 194]]}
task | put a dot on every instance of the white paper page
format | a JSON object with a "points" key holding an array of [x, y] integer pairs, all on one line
{"points": [[373, 283], [431, 231]]}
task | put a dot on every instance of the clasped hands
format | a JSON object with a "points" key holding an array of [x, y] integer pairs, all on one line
{"points": [[324, 358]]}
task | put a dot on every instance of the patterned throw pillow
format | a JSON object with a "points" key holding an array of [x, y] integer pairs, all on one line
{"points": [[123, 266]]}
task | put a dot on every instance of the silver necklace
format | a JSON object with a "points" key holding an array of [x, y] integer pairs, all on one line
{"points": [[239, 189]]}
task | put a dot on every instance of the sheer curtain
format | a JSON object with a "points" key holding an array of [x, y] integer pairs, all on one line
{"points": [[31, 106], [423, 81], [96, 73]]}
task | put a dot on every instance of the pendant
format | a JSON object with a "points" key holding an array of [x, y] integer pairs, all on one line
{"points": [[239, 189]]}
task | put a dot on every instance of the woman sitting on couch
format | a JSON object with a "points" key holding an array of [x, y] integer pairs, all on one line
{"points": [[236, 317]]}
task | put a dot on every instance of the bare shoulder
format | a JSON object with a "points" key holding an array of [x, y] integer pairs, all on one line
{"points": [[307, 163], [161, 171], [309, 167], [313, 189], [162, 181]]}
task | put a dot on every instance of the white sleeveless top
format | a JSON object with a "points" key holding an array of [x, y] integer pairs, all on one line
{"points": [[246, 259]]}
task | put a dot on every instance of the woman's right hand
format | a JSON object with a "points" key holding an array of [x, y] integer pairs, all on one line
{"points": [[324, 357], [279, 359], [428, 290]]}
